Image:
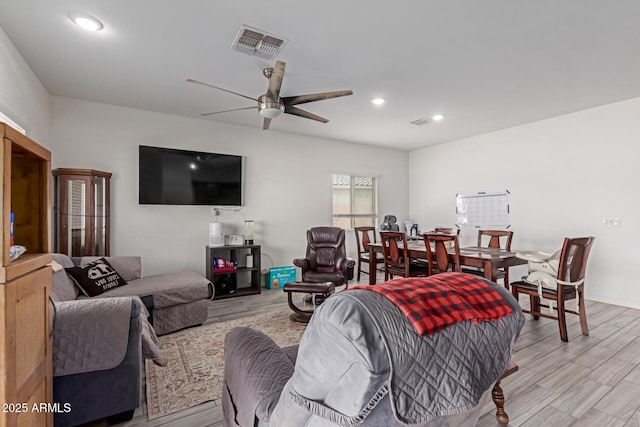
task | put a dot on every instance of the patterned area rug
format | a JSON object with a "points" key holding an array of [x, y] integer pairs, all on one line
{"points": [[195, 371]]}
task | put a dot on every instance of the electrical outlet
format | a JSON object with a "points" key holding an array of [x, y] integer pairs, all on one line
{"points": [[215, 211], [611, 222]]}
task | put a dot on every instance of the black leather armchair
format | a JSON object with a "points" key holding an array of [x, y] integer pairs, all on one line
{"points": [[326, 258]]}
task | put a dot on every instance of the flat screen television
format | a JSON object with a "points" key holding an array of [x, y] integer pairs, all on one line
{"points": [[179, 177]]}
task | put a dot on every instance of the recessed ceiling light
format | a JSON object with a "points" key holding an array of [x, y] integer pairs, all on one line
{"points": [[437, 117], [86, 22], [377, 101]]}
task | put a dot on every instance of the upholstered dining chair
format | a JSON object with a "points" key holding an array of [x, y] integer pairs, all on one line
{"points": [[438, 246], [326, 257], [365, 236], [569, 285], [497, 239], [396, 257]]}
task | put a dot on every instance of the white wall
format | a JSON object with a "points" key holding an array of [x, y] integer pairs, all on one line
{"points": [[22, 96], [287, 185], [565, 174]]}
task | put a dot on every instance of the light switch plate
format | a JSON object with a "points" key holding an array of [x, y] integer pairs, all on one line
{"points": [[611, 222]]}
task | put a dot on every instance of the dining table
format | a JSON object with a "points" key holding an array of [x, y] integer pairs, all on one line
{"points": [[488, 259]]}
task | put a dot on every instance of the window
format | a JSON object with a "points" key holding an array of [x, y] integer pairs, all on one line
{"points": [[354, 201]]}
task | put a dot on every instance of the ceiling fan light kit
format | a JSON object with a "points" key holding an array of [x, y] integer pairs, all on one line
{"points": [[271, 105], [269, 109]]}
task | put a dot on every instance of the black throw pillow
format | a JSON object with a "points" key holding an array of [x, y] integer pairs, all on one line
{"points": [[96, 277]]}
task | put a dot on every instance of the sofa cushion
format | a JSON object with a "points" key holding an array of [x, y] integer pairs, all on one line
{"points": [[128, 267], [63, 287], [96, 277]]}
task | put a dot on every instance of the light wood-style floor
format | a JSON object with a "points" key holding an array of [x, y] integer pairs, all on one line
{"points": [[590, 381]]}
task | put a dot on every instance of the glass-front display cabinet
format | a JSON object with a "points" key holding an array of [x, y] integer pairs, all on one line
{"points": [[81, 212]]}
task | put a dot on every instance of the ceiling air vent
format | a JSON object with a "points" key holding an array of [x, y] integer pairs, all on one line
{"points": [[420, 122], [257, 42]]}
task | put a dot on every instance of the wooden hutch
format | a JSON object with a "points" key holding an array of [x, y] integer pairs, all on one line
{"points": [[26, 308]]}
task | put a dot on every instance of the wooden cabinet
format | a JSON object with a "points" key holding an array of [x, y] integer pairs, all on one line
{"points": [[81, 211], [26, 311], [245, 278]]}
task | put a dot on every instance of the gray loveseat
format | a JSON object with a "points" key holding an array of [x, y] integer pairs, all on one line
{"points": [[99, 343], [360, 363]]}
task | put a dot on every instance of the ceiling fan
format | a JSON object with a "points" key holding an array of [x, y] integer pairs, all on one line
{"points": [[271, 105]]}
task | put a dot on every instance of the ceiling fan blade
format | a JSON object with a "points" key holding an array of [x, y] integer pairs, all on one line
{"points": [[266, 123], [226, 111], [219, 88], [301, 113], [275, 81], [302, 99]]}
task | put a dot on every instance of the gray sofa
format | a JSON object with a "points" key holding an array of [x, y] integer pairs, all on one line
{"points": [[99, 343], [360, 363], [174, 300]]}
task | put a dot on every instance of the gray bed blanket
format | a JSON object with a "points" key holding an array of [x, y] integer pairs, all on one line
{"points": [[92, 335]]}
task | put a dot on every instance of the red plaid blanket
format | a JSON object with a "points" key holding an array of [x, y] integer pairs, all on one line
{"points": [[435, 302]]}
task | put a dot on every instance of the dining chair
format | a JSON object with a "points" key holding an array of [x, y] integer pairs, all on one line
{"points": [[569, 285], [497, 239], [396, 257], [365, 236], [438, 246], [447, 230]]}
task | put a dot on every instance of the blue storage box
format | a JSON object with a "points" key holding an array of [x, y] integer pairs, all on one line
{"points": [[276, 277]]}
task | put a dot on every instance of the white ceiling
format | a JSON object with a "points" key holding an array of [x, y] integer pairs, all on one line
{"points": [[487, 65]]}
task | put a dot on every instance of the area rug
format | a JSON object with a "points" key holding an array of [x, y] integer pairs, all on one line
{"points": [[195, 371]]}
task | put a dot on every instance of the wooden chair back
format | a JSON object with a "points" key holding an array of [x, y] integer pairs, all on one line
{"points": [[394, 249], [495, 239], [438, 246], [498, 239], [365, 236], [573, 258]]}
